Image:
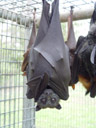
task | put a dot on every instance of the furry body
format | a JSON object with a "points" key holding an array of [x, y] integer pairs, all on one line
{"points": [[85, 71]]}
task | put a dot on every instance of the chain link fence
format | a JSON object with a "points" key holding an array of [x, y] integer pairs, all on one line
{"points": [[15, 110]]}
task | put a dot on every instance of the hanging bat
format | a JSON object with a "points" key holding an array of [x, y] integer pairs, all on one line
{"points": [[71, 41], [48, 70], [83, 69], [31, 41]]}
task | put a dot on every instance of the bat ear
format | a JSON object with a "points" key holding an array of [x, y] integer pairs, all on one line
{"points": [[38, 108], [58, 107]]}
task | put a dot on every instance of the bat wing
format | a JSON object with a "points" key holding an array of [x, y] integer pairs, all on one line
{"points": [[50, 46], [25, 61], [54, 50], [71, 41], [33, 35], [37, 85], [76, 62], [34, 85], [93, 55], [75, 70], [93, 90], [31, 41]]}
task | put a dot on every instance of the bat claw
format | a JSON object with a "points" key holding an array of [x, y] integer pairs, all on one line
{"points": [[73, 86]]}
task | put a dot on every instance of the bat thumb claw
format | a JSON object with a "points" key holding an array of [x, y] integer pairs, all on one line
{"points": [[73, 86], [86, 92]]}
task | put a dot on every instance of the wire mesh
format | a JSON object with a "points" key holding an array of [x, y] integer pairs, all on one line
{"points": [[26, 7], [13, 103], [15, 110]]}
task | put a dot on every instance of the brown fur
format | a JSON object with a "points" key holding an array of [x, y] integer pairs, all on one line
{"points": [[85, 82], [25, 62]]}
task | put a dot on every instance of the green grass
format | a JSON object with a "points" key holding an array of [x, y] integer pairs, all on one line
{"points": [[79, 111]]}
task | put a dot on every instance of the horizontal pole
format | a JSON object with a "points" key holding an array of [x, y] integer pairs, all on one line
{"points": [[26, 20], [15, 17], [77, 15]]}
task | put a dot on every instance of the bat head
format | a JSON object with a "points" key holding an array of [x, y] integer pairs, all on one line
{"points": [[92, 30], [48, 99]]}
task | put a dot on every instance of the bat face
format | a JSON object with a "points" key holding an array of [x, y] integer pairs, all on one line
{"points": [[48, 99]]}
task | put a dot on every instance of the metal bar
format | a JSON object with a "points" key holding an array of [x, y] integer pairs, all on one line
{"points": [[11, 86], [10, 3], [77, 15], [28, 103], [22, 6], [6, 13], [1, 26], [11, 61], [11, 92], [11, 49], [10, 99], [17, 110], [10, 23], [9, 74], [13, 37]]}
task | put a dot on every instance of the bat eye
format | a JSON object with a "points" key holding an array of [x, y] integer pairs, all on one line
{"points": [[46, 93], [43, 100], [53, 100]]}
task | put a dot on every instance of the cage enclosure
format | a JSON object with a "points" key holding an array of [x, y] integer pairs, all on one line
{"points": [[16, 111]]}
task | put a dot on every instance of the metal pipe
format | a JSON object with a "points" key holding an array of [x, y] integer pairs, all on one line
{"points": [[21, 19]]}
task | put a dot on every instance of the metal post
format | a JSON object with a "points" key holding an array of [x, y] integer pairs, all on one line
{"points": [[28, 105]]}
